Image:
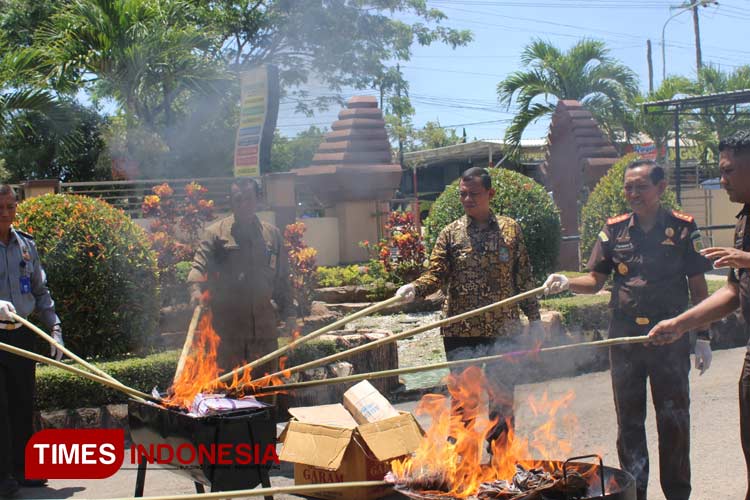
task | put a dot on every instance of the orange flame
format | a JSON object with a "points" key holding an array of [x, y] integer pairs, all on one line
{"points": [[200, 372], [451, 452]]}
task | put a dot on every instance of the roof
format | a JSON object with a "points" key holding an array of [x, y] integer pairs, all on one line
{"points": [[466, 150], [692, 102]]}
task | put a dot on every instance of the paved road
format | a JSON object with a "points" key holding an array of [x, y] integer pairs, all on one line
{"points": [[716, 454]]}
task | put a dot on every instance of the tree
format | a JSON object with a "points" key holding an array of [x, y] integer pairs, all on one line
{"points": [[36, 148], [297, 152], [337, 42], [711, 124], [660, 127], [432, 136], [149, 56], [585, 73]]}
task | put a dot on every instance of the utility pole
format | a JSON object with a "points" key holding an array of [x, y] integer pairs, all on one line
{"points": [[697, 30], [688, 5], [650, 67]]}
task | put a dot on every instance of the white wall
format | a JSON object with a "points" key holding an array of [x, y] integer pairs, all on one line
{"points": [[323, 235]]}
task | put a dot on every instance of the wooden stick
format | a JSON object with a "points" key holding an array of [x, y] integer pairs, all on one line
{"points": [[31, 326], [258, 492], [393, 338], [188, 341], [317, 333], [451, 364], [96, 378]]}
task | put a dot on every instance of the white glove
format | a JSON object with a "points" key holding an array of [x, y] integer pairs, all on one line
{"points": [[57, 336], [407, 293], [556, 283], [5, 309], [703, 355]]}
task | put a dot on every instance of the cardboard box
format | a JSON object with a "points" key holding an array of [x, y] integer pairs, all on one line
{"points": [[366, 404], [327, 446]]}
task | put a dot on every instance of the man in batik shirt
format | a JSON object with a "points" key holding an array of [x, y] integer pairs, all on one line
{"points": [[477, 260]]}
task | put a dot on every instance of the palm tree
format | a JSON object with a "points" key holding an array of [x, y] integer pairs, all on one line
{"points": [[145, 55], [17, 96], [585, 73], [660, 127], [712, 124]]}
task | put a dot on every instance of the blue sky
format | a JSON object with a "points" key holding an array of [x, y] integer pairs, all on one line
{"points": [[457, 87]]}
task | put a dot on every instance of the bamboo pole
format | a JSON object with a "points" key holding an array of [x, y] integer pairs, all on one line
{"points": [[96, 378], [393, 338], [188, 340], [452, 364], [317, 333], [31, 326], [276, 490]]}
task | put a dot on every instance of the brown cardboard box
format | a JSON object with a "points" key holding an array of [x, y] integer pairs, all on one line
{"points": [[339, 450], [366, 404]]}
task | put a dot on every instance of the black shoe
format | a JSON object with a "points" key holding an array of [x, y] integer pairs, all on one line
{"points": [[8, 487], [32, 483]]}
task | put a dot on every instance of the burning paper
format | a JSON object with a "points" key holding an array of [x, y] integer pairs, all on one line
{"points": [[210, 404]]}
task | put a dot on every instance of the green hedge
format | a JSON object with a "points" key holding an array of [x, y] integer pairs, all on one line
{"points": [[589, 312], [518, 197], [101, 271], [607, 200], [58, 389]]}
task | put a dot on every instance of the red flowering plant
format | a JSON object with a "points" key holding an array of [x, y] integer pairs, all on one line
{"points": [[401, 253], [302, 265], [175, 233]]}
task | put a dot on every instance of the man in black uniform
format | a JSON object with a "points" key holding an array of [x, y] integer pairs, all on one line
{"points": [[734, 163], [654, 255]]}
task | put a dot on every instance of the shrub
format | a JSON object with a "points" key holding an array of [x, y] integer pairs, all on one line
{"points": [[401, 253], [588, 312], [344, 275], [100, 269], [172, 215], [518, 197], [302, 266], [607, 200], [56, 388]]}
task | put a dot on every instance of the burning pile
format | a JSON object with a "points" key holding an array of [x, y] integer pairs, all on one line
{"points": [[448, 463], [197, 385]]}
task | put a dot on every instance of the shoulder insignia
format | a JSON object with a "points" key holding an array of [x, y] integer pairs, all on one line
{"points": [[681, 216], [24, 234], [603, 236], [617, 219]]}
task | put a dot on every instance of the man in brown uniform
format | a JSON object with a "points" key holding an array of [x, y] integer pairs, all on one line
{"points": [[243, 265], [654, 255], [479, 259], [734, 163]]}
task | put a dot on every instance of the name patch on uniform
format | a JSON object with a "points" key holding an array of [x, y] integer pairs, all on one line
{"points": [[504, 254], [624, 246], [25, 284], [603, 236]]}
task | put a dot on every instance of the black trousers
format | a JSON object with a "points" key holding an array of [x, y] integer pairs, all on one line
{"points": [[501, 378], [17, 388], [745, 416], [667, 367]]}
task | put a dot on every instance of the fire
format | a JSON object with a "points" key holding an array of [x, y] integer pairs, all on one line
{"points": [[449, 458], [201, 371]]}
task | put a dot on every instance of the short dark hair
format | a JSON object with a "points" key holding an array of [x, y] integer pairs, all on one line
{"points": [[244, 183], [7, 189], [477, 172], [739, 142], [656, 171]]}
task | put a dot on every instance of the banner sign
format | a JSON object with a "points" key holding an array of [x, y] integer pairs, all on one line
{"points": [[259, 108]]}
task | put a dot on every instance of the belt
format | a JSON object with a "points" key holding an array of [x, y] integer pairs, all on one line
{"points": [[645, 320], [9, 325]]}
